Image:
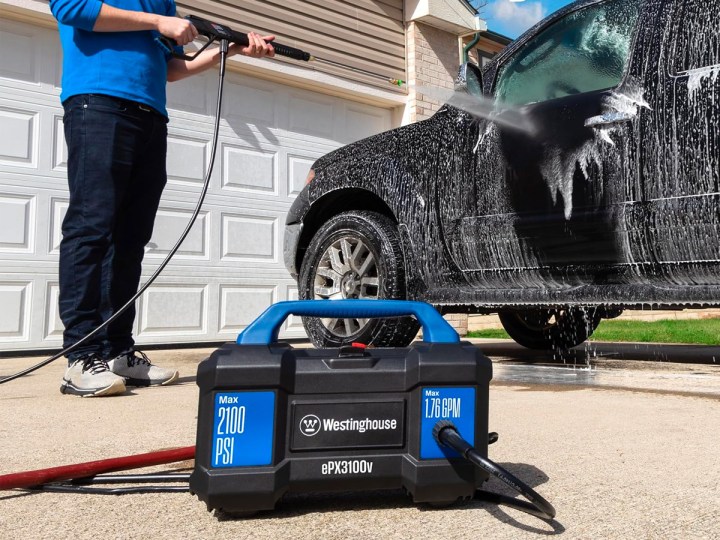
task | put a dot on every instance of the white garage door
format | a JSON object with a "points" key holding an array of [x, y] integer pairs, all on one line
{"points": [[230, 267]]}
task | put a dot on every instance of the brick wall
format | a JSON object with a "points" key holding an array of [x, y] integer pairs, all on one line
{"points": [[432, 61]]}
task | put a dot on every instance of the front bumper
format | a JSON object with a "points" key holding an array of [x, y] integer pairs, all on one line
{"points": [[290, 246], [293, 229]]}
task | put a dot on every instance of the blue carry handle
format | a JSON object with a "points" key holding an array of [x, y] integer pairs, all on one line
{"points": [[264, 329]]}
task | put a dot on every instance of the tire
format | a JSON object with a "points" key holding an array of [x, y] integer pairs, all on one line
{"points": [[356, 254], [554, 329]]}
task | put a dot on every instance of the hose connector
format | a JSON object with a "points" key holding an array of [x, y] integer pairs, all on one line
{"points": [[447, 434], [439, 427]]}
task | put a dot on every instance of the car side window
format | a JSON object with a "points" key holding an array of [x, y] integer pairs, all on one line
{"points": [[587, 50], [695, 33]]}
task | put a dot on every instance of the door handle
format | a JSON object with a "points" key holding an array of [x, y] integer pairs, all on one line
{"points": [[608, 119]]}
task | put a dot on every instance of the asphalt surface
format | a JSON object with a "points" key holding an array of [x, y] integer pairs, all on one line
{"points": [[623, 448]]}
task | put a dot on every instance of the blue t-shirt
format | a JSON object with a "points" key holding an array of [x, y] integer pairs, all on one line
{"points": [[129, 65]]}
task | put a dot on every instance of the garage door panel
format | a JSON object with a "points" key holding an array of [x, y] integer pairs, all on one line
{"points": [[187, 159], [15, 297], [314, 117], [167, 309], [241, 304], [169, 225], [248, 103], [293, 324], [298, 169], [20, 48], [190, 95], [18, 137], [59, 147], [32, 147], [361, 122], [53, 326], [17, 223], [31, 56], [249, 170], [249, 237], [58, 209]]}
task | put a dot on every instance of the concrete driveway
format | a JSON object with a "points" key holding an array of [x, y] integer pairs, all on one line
{"points": [[638, 457]]}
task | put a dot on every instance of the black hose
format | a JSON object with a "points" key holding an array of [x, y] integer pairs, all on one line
{"points": [[86, 485], [446, 434], [196, 212], [131, 479], [69, 488]]}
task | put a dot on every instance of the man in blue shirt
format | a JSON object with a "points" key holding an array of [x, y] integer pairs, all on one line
{"points": [[113, 94]]}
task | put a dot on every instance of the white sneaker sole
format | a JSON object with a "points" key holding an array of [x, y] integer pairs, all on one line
{"points": [[142, 383], [117, 387], [172, 379]]}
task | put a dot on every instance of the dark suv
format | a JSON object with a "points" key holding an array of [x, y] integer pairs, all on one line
{"points": [[613, 203]]}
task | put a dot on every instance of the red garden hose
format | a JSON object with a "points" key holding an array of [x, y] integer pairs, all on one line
{"points": [[28, 479]]}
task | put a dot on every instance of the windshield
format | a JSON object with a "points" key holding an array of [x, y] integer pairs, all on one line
{"points": [[585, 51]]}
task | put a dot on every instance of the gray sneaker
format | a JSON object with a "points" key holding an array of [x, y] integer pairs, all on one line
{"points": [[137, 370], [90, 376]]}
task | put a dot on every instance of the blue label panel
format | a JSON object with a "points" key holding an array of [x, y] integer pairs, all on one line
{"points": [[456, 404], [243, 429]]}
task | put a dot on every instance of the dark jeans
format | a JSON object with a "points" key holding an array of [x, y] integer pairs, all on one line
{"points": [[116, 175]]}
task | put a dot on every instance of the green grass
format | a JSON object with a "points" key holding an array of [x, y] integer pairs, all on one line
{"points": [[699, 332]]}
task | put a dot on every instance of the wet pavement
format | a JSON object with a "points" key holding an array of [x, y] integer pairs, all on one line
{"points": [[603, 351], [622, 448], [677, 369]]}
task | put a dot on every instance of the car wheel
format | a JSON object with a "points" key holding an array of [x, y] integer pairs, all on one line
{"points": [[555, 329], [356, 254]]}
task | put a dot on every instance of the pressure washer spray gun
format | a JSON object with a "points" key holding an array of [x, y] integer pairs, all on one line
{"points": [[217, 32]]}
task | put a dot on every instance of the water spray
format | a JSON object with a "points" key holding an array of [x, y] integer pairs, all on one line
{"points": [[503, 114]]}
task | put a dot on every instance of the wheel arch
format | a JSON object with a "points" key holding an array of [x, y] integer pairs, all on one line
{"points": [[333, 203]]}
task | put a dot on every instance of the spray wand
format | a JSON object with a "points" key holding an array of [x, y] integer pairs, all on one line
{"points": [[214, 31]]}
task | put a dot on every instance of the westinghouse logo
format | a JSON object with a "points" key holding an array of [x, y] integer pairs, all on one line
{"points": [[309, 425]]}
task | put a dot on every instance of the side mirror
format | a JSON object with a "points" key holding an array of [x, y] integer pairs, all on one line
{"points": [[469, 79]]}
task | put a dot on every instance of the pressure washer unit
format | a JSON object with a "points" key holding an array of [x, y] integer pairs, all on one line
{"points": [[274, 419]]}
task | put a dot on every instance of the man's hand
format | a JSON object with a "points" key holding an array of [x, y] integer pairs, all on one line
{"points": [[258, 46], [180, 30]]}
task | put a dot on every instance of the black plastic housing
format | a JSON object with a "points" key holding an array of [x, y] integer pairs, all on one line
{"points": [[379, 386]]}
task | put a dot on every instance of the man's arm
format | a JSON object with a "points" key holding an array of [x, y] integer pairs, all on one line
{"points": [[112, 19], [257, 47], [97, 16]]}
